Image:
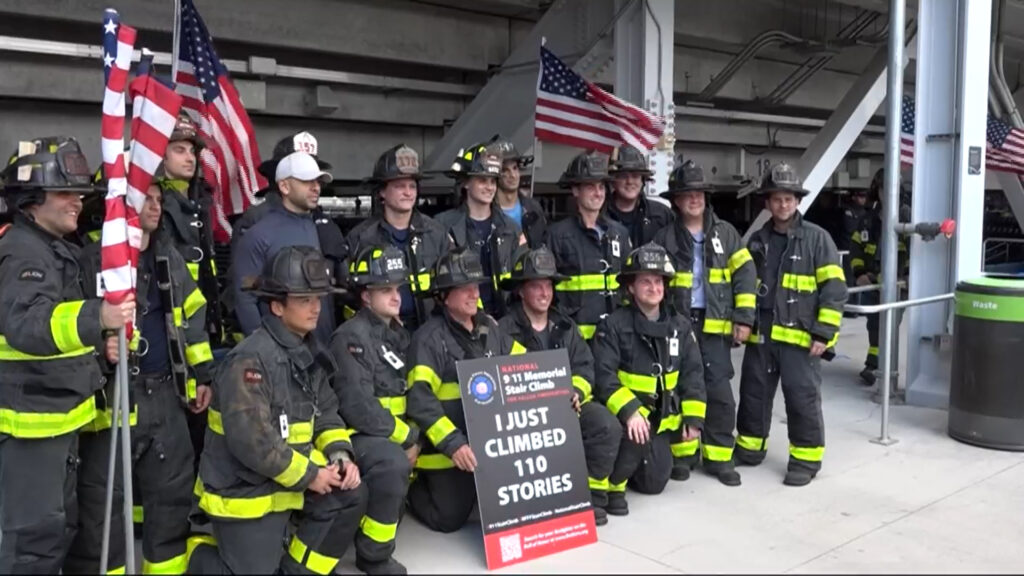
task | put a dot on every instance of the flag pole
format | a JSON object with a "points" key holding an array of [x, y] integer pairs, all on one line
{"points": [[536, 142], [176, 40], [126, 450], [108, 506]]}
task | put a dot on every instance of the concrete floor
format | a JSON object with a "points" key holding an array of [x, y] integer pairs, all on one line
{"points": [[925, 504]]}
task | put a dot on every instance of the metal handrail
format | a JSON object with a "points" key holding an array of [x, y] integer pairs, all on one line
{"points": [[876, 308]]}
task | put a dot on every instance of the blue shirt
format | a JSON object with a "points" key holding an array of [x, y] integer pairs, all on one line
{"points": [[154, 324], [697, 296], [278, 229], [515, 213], [400, 238], [482, 234]]}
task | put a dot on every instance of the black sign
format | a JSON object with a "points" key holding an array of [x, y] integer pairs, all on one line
{"points": [[531, 478]]}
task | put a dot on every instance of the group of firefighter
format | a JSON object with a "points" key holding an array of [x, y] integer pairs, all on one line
{"points": [[338, 406]]}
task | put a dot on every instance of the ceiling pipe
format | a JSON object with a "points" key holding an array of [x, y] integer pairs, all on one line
{"points": [[757, 44]]}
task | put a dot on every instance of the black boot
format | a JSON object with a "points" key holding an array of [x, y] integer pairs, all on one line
{"points": [[389, 566], [617, 505], [867, 376], [600, 516], [680, 472], [726, 474], [798, 477]]}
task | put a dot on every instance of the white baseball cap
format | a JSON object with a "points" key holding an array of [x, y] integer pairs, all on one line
{"points": [[301, 166]]}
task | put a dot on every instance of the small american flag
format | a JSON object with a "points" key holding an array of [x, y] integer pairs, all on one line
{"points": [[231, 154], [907, 131], [155, 108], [573, 111], [121, 236]]}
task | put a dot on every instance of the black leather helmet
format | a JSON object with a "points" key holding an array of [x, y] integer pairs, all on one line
{"points": [[627, 159], [534, 264], [782, 178], [688, 177], [458, 267], [185, 129], [510, 152], [294, 270], [379, 266], [586, 167], [650, 258], [397, 163], [53, 163], [478, 160]]}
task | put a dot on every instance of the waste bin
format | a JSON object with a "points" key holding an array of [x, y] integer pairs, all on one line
{"points": [[986, 396]]}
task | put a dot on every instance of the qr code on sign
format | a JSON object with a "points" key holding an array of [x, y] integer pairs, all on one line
{"points": [[511, 548]]}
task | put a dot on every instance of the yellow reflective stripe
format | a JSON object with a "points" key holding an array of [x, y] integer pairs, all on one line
{"points": [[64, 326], [694, 408], [644, 412], [717, 326], [9, 354], [870, 249], [581, 383], [195, 541], [440, 430], [857, 263], [138, 515], [394, 404], [294, 472], [400, 433], [434, 462], [597, 483], [686, 448], [670, 423], [799, 282], [104, 419], [829, 272], [378, 531], [797, 337], [179, 317], [517, 348], [620, 487], [587, 330], [588, 282], [449, 391], [193, 270], [647, 384], [746, 300], [176, 565], [739, 258], [121, 570], [328, 437], [317, 457], [618, 400], [196, 354], [246, 508], [719, 276], [752, 443], [829, 316], [856, 236], [424, 282], [300, 432], [681, 280], [305, 556], [214, 421], [46, 424], [424, 373], [807, 454], [872, 350], [193, 303], [716, 453], [190, 387]]}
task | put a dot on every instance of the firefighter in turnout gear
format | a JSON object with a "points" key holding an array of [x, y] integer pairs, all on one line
{"points": [[526, 212], [50, 331], [536, 325], [714, 285], [277, 451], [650, 376], [173, 360], [370, 350], [628, 204], [588, 246], [478, 223], [443, 494], [397, 222], [800, 298]]}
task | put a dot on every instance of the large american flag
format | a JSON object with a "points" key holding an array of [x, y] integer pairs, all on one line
{"points": [[1004, 146], [231, 154], [573, 111]]}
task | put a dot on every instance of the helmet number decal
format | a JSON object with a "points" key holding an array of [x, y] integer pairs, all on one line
{"points": [[392, 264], [305, 142], [407, 161]]}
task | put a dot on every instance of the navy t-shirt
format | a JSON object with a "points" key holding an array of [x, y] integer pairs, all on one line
{"points": [[400, 238], [154, 323], [482, 235]]}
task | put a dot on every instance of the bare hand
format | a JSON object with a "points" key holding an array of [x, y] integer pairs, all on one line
{"points": [[818, 348], [326, 480], [690, 433], [576, 402], [113, 354], [115, 316], [412, 454], [464, 459], [740, 333], [863, 280], [204, 394], [638, 428], [351, 479]]}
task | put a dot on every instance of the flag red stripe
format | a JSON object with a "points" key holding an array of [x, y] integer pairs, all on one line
{"points": [[573, 141]]}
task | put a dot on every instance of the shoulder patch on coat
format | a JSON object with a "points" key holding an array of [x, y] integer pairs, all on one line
{"points": [[32, 275], [355, 349], [252, 376]]}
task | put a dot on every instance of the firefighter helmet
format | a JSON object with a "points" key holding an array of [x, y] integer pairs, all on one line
{"points": [[478, 160], [185, 129], [585, 167], [627, 159], [299, 142], [294, 270], [379, 266], [650, 258], [688, 177], [395, 164], [458, 267], [510, 152], [54, 163], [782, 178], [537, 264]]}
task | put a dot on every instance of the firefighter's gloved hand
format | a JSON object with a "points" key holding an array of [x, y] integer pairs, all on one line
{"points": [[115, 316], [350, 478], [818, 348], [204, 394], [740, 333], [638, 428]]}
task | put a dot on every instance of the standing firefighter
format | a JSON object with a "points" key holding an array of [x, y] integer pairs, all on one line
{"points": [[277, 451], [370, 350], [649, 375], [526, 212], [49, 333], [629, 205], [535, 325], [396, 221], [443, 494], [588, 246], [800, 300], [714, 286]]}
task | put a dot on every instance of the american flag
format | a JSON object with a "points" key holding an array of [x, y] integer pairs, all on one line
{"points": [[121, 236], [231, 154], [573, 111], [1004, 150]]}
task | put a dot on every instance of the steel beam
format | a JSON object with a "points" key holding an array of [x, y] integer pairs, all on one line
{"points": [[949, 148]]}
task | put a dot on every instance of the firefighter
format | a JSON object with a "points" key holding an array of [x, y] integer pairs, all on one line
{"points": [[332, 241], [800, 300], [277, 451], [526, 212], [536, 325], [299, 179], [714, 285], [629, 204], [50, 331], [399, 223], [649, 374], [479, 224], [370, 350], [443, 494], [173, 365], [588, 246]]}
